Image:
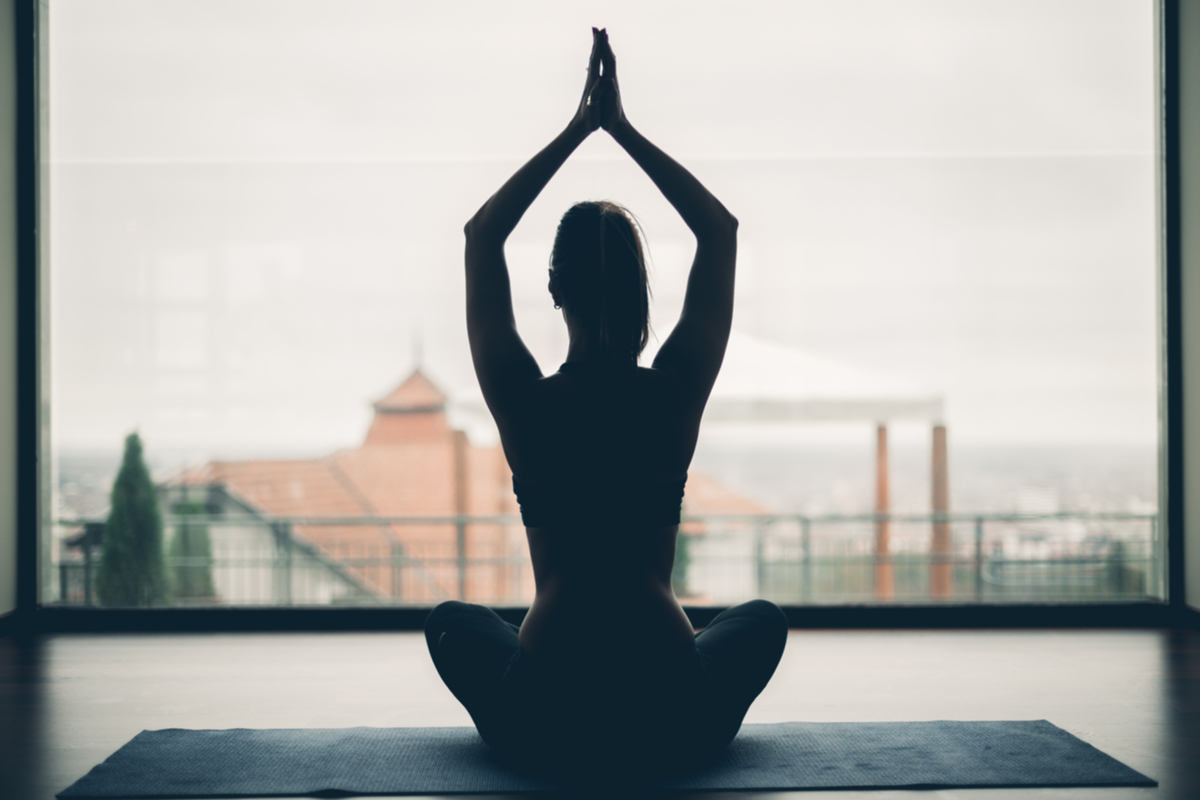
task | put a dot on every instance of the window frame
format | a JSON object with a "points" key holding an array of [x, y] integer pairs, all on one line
{"points": [[33, 395]]}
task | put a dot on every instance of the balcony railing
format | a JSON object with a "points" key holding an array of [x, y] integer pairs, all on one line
{"points": [[240, 560]]}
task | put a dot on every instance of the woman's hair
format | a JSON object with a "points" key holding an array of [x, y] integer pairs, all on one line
{"points": [[599, 267]]}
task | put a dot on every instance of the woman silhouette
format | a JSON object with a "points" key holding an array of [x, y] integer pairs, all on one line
{"points": [[605, 681]]}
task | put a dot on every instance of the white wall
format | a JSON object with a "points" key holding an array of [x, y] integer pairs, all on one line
{"points": [[1189, 96], [8, 312]]}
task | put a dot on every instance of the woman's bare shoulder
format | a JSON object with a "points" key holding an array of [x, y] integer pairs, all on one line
{"points": [[567, 388]]}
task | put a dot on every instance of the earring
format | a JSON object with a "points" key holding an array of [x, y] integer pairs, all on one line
{"points": [[557, 305]]}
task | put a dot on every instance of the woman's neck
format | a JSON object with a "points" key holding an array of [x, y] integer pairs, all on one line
{"points": [[583, 349], [584, 352]]}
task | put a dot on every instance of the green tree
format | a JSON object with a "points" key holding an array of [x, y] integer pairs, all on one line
{"points": [[190, 545], [132, 570]]}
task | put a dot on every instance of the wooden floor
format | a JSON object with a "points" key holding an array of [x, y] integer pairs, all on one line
{"points": [[68, 701]]}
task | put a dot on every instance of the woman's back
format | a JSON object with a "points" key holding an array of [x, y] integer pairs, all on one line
{"points": [[609, 425], [599, 458]]}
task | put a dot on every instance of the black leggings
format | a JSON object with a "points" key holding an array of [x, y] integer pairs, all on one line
{"points": [[613, 714]]}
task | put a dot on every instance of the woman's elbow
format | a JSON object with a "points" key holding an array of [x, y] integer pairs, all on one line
{"points": [[726, 223], [729, 222], [480, 232], [722, 230]]}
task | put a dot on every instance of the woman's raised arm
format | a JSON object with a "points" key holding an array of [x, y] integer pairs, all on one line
{"points": [[502, 362], [696, 346]]}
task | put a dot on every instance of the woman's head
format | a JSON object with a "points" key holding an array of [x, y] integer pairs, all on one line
{"points": [[598, 268]]}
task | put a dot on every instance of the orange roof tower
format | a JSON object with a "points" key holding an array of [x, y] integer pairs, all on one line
{"points": [[412, 412]]}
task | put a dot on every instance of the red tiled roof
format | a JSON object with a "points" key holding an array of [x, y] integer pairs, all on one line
{"points": [[413, 480], [416, 394], [287, 488], [416, 478]]}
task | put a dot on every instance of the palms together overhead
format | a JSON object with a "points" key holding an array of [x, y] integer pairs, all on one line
{"points": [[600, 106]]}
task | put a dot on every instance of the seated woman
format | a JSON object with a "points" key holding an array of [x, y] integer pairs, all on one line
{"points": [[605, 681]]}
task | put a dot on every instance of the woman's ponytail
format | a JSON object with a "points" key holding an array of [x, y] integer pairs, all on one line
{"points": [[600, 268]]}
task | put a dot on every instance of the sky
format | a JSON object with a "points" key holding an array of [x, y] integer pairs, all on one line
{"points": [[256, 207]]}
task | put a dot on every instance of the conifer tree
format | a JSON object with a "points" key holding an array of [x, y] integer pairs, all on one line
{"points": [[193, 579], [133, 571]]}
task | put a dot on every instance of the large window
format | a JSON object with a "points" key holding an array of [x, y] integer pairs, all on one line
{"points": [[942, 384]]}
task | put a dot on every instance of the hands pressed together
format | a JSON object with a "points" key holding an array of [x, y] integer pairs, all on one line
{"points": [[697, 344], [600, 106]]}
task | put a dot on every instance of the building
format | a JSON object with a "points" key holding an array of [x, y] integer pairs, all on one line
{"points": [[411, 465], [383, 522]]}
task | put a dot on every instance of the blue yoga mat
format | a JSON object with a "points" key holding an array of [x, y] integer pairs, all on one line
{"points": [[772, 756]]}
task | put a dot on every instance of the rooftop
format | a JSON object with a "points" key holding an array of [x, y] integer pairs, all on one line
{"points": [[416, 394]]}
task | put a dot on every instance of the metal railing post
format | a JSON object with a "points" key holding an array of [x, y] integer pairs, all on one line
{"points": [[461, 503], [1119, 580], [283, 539], [1154, 574], [287, 563], [978, 559], [87, 572], [460, 544], [397, 570], [93, 533], [806, 557], [760, 570]]}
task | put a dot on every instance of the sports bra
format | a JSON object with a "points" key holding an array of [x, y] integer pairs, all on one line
{"points": [[608, 495], [578, 503]]}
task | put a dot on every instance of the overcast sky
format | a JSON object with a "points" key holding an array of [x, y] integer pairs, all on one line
{"points": [[257, 206]]}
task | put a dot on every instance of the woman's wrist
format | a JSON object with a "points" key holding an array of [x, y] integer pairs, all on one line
{"points": [[621, 132], [577, 130]]}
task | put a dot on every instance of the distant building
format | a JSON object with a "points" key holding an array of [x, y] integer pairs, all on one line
{"points": [[412, 464]]}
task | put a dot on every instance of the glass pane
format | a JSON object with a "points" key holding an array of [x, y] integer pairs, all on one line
{"points": [[942, 379]]}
